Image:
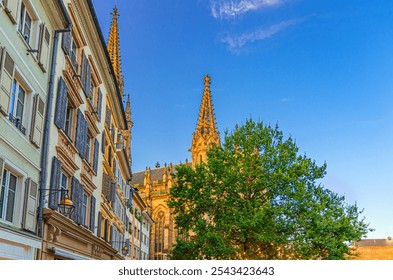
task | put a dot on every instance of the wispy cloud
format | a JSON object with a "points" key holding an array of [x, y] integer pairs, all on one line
{"points": [[236, 42], [233, 8]]}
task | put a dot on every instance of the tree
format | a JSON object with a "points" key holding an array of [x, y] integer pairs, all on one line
{"points": [[257, 198]]}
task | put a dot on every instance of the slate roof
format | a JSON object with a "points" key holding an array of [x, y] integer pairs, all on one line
{"points": [[156, 175], [375, 242]]}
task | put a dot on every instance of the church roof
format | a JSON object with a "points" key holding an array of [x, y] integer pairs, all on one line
{"points": [[375, 242], [156, 174]]}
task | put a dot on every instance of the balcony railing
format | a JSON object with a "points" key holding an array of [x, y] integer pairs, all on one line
{"points": [[18, 123]]}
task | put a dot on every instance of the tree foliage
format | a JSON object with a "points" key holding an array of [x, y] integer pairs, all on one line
{"points": [[257, 198]]}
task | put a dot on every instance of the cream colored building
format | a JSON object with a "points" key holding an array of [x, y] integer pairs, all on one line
{"points": [[86, 154], [26, 35]]}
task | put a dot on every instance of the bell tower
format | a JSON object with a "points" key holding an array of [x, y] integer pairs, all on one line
{"points": [[206, 132]]}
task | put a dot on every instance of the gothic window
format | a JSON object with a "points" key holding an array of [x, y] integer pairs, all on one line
{"points": [[159, 235]]}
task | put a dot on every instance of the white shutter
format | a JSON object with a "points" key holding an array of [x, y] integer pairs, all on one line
{"points": [[12, 7], [30, 206], [7, 75], [37, 124], [1, 170], [43, 55]]}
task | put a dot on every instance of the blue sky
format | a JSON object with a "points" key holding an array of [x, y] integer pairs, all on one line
{"points": [[322, 70]]}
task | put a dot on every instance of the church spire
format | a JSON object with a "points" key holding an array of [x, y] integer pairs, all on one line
{"points": [[206, 132], [114, 50]]}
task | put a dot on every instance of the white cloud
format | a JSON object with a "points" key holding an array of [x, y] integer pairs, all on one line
{"points": [[233, 8], [236, 42]]}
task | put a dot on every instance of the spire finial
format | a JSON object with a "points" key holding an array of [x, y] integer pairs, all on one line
{"points": [[114, 49], [206, 131]]}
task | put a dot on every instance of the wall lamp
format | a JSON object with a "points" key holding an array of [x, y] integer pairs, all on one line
{"points": [[124, 246], [66, 206]]}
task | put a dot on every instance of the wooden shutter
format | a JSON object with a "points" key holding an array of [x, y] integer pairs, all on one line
{"points": [[1, 170], [7, 67], [77, 199], [95, 156], [81, 134], [106, 185], [106, 229], [99, 104], [54, 194], [99, 222], [86, 75], [92, 212], [37, 123], [29, 219], [80, 204], [113, 194], [61, 105], [103, 142], [108, 117], [66, 43], [12, 8], [43, 47]]}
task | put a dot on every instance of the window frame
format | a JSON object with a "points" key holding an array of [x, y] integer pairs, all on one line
{"points": [[5, 193]]}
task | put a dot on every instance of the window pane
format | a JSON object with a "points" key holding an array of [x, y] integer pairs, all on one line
{"points": [[20, 104], [27, 28], [11, 198], [2, 193]]}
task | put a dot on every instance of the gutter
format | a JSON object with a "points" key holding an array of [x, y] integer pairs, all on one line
{"points": [[46, 132]]}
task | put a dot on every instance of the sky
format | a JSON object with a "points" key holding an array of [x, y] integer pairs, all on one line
{"points": [[321, 70]]}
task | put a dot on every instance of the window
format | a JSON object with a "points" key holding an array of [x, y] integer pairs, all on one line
{"points": [[17, 106], [85, 205], [74, 54], [7, 196], [28, 24], [69, 119]]}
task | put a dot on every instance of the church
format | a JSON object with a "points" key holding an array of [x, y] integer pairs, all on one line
{"points": [[154, 185]]}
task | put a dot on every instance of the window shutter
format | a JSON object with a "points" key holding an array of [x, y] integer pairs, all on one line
{"points": [[12, 7], [108, 117], [113, 132], [43, 48], [106, 228], [37, 123], [106, 185], [95, 156], [92, 212], [81, 134], [113, 194], [30, 205], [75, 199], [1, 170], [61, 105], [7, 75], [99, 104], [86, 75], [99, 224], [103, 142], [80, 204], [54, 194], [66, 43]]}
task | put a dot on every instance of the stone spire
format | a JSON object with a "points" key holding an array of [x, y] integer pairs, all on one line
{"points": [[128, 134], [114, 50], [206, 132]]}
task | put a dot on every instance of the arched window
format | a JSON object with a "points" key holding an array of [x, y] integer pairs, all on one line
{"points": [[159, 236]]}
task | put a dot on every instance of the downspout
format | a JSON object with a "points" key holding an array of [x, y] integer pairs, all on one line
{"points": [[46, 132]]}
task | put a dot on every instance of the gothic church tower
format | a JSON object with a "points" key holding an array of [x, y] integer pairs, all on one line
{"points": [[206, 132], [114, 54]]}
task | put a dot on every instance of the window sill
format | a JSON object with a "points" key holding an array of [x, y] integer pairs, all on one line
{"points": [[29, 50]]}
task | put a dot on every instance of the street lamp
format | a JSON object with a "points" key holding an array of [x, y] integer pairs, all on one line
{"points": [[125, 246], [66, 206]]}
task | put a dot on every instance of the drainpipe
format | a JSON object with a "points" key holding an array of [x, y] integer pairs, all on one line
{"points": [[46, 132]]}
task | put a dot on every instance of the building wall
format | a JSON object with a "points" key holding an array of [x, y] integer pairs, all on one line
{"points": [[375, 253], [24, 65]]}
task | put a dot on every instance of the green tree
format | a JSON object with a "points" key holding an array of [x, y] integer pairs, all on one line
{"points": [[257, 198]]}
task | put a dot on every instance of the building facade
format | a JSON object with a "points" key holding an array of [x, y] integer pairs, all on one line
{"points": [[154, 184], [26, 37], [65, 137]]}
